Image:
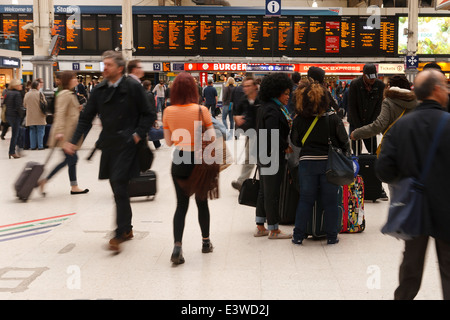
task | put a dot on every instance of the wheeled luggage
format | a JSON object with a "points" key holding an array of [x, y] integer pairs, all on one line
{"points": [[352, 204], [372, 185], [29, 177], [289, 197], [144, 185]]}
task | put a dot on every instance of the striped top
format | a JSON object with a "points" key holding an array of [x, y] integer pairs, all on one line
{"points": [[184, 117]]}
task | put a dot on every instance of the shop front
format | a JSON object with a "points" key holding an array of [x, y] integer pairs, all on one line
{"points": [[10, 66]]}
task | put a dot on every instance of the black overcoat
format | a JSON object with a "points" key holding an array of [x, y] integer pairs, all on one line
{"points": [[403, 154], [123, 111]]}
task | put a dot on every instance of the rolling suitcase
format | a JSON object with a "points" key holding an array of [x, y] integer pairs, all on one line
{"points": [[144, 185], [289, 197], [372, 185], [352, 204], [29, 177]]}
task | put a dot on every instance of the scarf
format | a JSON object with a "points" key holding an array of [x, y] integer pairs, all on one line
{"points": [[285, 112]]}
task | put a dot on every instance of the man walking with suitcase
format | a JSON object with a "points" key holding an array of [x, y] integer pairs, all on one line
{"points": [[126, 119]]}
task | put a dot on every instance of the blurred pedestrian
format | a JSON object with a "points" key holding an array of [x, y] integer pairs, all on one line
{"points": [[227, 111], [35, 117], [126, 118], [67, 112], [210, 96], [403, 154], [14, 114], [160, 90]]}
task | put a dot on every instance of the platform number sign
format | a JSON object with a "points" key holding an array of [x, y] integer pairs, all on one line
{"points": [[273, 8]]}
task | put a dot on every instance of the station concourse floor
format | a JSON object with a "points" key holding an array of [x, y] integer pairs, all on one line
{"points": [[53, 247]]}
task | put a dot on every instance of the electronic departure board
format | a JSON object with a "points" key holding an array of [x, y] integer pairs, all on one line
{"points": [[217, 35]]}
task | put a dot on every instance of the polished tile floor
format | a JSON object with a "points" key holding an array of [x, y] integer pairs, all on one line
{"points": [[54, 247]]}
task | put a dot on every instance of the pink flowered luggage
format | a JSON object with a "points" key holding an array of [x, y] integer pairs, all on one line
{"points": [[353, 219]]}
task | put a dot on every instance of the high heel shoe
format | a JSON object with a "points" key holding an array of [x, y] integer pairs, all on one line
{"points": [[15, 156]]}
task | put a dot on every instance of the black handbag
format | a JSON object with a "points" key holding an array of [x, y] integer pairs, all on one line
{"points": [[405, 219], [248, 195], [339, 165]]}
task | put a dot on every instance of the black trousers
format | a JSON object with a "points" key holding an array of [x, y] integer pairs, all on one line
{"points": [[411, 269], [183, 171], [123, 207]]}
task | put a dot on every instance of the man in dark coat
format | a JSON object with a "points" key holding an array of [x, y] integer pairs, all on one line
{"points": [[405, 148], [364, 104], [126, 118]]}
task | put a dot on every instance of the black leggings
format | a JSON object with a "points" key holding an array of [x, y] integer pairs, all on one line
{"points": [[182, 171]]}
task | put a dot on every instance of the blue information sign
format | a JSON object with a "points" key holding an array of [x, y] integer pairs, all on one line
{"points": [[273, 7]]}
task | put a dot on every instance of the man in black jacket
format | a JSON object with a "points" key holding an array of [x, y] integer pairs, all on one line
{"points": [[126, 119], [364, 104], [405, 148]]}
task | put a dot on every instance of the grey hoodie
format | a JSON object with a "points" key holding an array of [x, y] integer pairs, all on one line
{"points": [[396, 100]]}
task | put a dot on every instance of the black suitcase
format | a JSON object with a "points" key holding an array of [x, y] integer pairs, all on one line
{"points": [[29, 177], [28, 180], [144, 185], [372, 185], [289, 196]]}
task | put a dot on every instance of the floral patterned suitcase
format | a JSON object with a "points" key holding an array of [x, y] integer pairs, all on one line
{"points": [[353, 220]]}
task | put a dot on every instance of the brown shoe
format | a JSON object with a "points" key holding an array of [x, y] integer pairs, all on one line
{"points": [[114, 243]]}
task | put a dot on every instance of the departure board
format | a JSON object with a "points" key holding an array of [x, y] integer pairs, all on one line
{"points": [[160, 33], [207, 33], [191, 34], [59, 28], [216, 35], [142, 42], [89, 32], [117, 24], [10, 25], [387, 35], [348, 35], [73, 34], [25, 36], [300, 35], [316, 35], [332, 36], [269, 35], [238, 34], [285, 34], [176, 33], [223, 33], [254, 33]]}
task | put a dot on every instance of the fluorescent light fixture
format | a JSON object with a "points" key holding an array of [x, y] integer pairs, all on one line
{"points": [[314, 5]]}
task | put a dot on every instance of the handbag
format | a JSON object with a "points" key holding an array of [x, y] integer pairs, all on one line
{"points": [[339, 169], [248, 195], [204, 179], [405, 218]]}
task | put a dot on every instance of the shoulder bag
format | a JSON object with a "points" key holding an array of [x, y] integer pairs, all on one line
{"points": [[339, 165], [204, 179], [405, 218]]}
